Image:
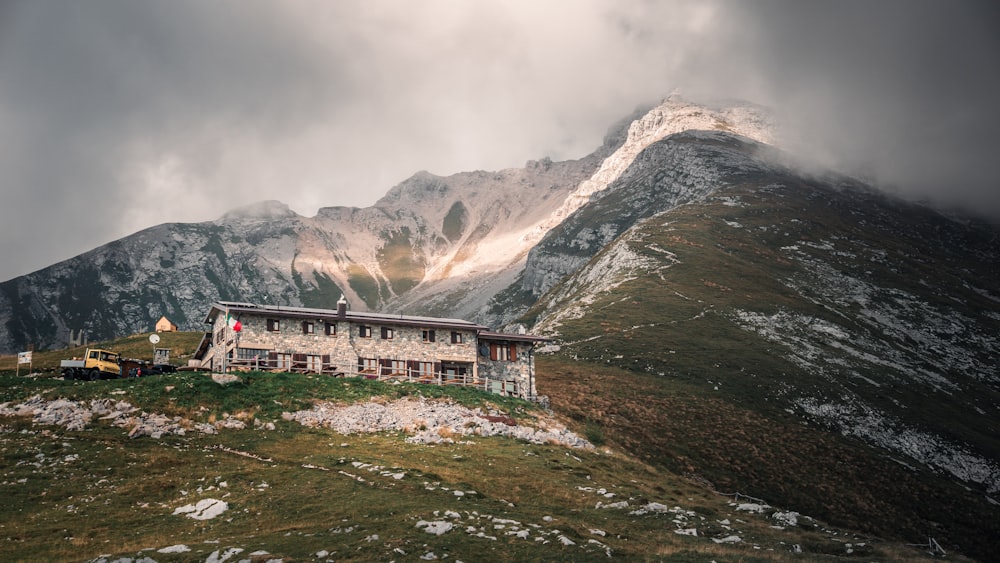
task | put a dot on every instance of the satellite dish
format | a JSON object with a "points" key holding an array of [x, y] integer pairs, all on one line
{"points": [[154, 338]]}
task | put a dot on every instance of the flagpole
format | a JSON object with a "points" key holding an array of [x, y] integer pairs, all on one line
{"points": [[225, 339]]}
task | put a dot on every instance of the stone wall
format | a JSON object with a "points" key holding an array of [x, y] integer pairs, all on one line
{"points": [[510, 377]]}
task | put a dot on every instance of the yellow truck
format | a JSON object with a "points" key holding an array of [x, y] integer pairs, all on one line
{"points": [[96, 364]]}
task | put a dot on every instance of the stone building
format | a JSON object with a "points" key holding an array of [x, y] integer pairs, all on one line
{"points": [[373, 345]]}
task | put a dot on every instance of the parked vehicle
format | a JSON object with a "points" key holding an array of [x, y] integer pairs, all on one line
{"points": [[96, 364], [143, 369]]}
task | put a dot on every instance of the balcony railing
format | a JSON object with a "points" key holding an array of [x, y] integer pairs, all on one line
{"points": [[382, 373]]}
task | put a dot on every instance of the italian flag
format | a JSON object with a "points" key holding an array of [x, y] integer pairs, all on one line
{"points": [[232, 323]]}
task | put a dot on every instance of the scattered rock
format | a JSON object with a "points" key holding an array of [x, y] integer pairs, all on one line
{"points": [[436, 527], [205, 509], [429, 422], [77, 416], [225, 378], [220, 556], [231, 423]]}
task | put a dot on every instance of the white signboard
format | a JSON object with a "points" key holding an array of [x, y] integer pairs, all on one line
{"points": [[24, 357]]}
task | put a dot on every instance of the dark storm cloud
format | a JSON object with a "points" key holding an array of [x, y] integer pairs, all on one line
{"points": [[905, 91], [178, 111]]}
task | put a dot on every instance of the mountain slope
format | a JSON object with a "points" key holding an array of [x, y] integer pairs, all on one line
{"points": [[806, 340]]}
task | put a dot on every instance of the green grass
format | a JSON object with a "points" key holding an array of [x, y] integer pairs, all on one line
{"points": [[296, 491]]}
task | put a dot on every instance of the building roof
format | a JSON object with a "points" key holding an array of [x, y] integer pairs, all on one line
{"points": [[331, 314], [489, 335]]}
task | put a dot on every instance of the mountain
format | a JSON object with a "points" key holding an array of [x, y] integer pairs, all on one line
{"points": [[803, 339], [432, 245], [799, 337]]}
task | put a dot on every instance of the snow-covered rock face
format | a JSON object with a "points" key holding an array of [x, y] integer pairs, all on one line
{"points": [[433, 245]]}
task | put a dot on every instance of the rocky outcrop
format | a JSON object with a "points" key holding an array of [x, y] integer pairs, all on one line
{"points": [[77, 416], [431, 422]]}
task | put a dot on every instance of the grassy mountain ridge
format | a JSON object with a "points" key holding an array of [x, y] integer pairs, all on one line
{"points": [[840, 345]]}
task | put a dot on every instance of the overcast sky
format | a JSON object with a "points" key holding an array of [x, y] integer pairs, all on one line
{"points": [[119, 115]]}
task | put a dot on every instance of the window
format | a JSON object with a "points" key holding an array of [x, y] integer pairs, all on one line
{"points": [[425, 369], [308, 327], [273, 325], [367, 365], [251, 354], [331, 329], [314, 363], [503, 351], [387, 333], [456, 337], [398, 367], [454, 370], [365, 331], [428, 336], [281, 361]]}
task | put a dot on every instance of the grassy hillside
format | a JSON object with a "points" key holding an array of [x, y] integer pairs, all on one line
{"points": [[744, 312], [181, 345], [734, 446], [300, 493]]}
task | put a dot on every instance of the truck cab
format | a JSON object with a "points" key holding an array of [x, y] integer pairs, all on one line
{"points": [[96, 364], [104, 361]]}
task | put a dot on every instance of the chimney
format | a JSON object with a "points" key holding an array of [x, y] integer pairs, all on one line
{"points": [[341, 307]]}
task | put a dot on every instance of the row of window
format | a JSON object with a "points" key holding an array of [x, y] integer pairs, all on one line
{"points": [[497, 351], [364, 331], [316, 363]]}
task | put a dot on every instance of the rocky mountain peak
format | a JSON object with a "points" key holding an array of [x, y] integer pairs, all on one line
{"points": [[676, 114], [673, 115], [422, 186]]}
